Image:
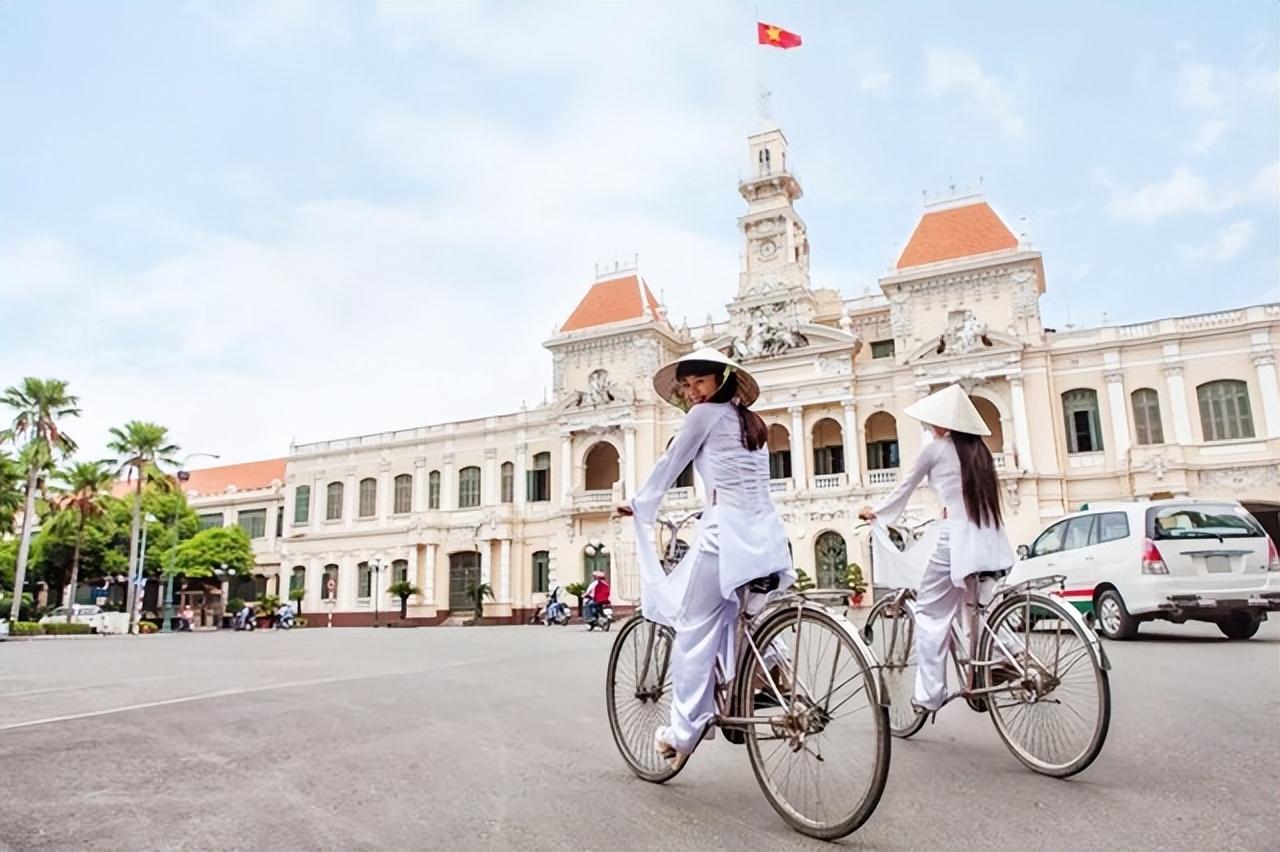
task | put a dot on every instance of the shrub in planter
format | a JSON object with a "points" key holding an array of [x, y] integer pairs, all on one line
{"points": [[61, 628], [26, 628], [146, 628]]}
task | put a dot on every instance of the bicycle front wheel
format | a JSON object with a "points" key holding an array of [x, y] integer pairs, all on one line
{"points": [[638, 693], [1055, 713], [890, 634], [822, 757]]}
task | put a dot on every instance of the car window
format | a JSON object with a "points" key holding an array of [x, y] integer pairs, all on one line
{"points": [[1050, 541], [1078, 530], [1113, 526], [1203, 521]]}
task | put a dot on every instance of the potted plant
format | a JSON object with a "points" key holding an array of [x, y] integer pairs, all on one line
{"points": [[577, 590], [477, 594], [266, 610], [857, 584], [403, 589], [296, 595]]}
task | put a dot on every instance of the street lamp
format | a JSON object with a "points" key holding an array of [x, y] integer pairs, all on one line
{"points": [[223, 571], [182, 476], [136, 574], [376, 567]]}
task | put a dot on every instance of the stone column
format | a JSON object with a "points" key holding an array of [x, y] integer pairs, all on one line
{"points": [[419, 485], [629, 461], [799, 463], [522, 466], [1119, 413], [314, 587], [429, 576], [1265, 364], [489, 486], [504, 571], [350, 500], [1021, 428], [486, 555], [852, 457], [348, 580], [319, 502], [566, 470], [448, 488], [1178, 403], [383, 508]]}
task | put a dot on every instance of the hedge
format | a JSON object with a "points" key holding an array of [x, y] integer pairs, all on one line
{"points": [[26, 628], [62, 628]]}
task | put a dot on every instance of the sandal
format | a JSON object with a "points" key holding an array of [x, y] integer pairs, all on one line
{"points": [[674, 758]]}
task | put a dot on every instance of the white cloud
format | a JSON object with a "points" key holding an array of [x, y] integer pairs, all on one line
{"points": [[876, 83], [1226, 244], [1207, 135], [35, 268], [956, 72], [1182, 192], [1200, 86]]}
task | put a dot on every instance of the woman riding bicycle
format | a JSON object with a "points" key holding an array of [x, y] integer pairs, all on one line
{"points": [[971, 539], [740, 537]]}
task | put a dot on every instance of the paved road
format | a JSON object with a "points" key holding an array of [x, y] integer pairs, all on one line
{"points": [[495, 738]]}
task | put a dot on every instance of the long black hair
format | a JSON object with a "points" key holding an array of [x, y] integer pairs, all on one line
{"points": [[978, 480], [752, 427]]}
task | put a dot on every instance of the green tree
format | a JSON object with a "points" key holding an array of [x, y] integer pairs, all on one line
{"points": [[142, 450], [403, 589], [297, 594], [478, 593], [82, 489], [10, 491], [37, 406], [213, 548]]}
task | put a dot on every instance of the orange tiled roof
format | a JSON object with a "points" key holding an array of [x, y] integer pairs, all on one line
{"points": [[248, 476], [611, 301], [956, 232]]}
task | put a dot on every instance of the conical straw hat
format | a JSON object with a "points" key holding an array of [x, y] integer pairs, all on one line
{"points": [[664, 381], [949, 408]]}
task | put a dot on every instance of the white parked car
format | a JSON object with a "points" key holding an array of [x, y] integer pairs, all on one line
{"points": [[1175, 560], [80, 614]]}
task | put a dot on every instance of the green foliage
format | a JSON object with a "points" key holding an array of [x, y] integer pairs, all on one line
{"points": [[268, 605], [477, 594], [8, 557], [211, 548], [857, 584], [403, 589], [146, 628], [576, 589], [235, 605], [12, 486], [297, 593], [62, 628], [26, 628], [803, 583]]}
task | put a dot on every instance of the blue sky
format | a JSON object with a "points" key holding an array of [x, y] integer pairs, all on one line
{"points": [[255, 222]]}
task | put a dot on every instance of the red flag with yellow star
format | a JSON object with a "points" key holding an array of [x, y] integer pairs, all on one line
{"points": [[776, 36]]}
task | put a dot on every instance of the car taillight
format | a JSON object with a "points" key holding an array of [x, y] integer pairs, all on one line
{"points": [[1152, 561], [1273, 558]]}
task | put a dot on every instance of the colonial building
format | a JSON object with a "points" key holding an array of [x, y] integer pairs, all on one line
{"points": [[522, 500]]}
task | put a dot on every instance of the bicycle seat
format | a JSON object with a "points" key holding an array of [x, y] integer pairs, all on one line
{"points": [[992, 575], [763, 585]]}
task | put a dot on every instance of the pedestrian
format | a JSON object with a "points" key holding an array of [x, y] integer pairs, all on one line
{"points": [[185, 616], [739, 538], [971, 537]]}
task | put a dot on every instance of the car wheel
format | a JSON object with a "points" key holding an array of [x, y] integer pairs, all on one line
{"points": [[1114, 621], [1239, 625]]}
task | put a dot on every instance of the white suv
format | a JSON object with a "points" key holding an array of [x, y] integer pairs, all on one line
{"points": [[1175, 560]]}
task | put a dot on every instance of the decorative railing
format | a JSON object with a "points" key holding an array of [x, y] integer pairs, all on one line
{"points": [[830, 480], [593, 499], [677, 495], [885, 476], [779, 486]]}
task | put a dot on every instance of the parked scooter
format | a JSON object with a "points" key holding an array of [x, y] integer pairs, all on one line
{"points": [[553, 612], [284, 617], [246, 619]]}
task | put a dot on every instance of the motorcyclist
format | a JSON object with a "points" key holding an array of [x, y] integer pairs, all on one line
{"points": [[596, 596]]}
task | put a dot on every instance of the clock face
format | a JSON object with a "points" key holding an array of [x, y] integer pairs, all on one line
{"points": [[768, 249]]}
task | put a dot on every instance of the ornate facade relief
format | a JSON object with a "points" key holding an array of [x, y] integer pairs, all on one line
{"points": [[765, 332], [1263, 476], [964, 334]]}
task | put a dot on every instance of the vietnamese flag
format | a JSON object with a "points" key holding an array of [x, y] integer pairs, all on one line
{"points": [[775, 36]]}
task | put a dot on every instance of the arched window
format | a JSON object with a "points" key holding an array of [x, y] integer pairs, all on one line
{"points": [[1147, 428], [1224, 410], [368, 497], [302, 504], [298, 578], [538, 479], [404, 494], [364, 580], [685, 479], [400, 571], [828, 447], [433, 490], [541, 571], [991, 417], [1080, 412], [329, 585], [602, 467], [779, 452], [333, 502], [595, 558], [882, 441], [830, 559], [508, 482], [469, 487]]}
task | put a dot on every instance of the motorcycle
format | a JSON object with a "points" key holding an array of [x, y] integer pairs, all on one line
{"points": [[601, 616], [284, 619], [554, 612], [246, 620]]}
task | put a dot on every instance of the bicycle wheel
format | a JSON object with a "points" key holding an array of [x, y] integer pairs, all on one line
{"points": [[1055, 716], [638, 694], [890, 635], [822, 758]]}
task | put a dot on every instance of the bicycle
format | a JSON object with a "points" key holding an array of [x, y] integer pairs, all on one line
{"points": [[1025, 656], [801, 713]]}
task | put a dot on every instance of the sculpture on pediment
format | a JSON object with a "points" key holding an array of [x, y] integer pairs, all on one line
{"points": [[964, 334], [765, 335], [599, 390]]}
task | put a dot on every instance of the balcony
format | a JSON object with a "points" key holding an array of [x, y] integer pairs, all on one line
{"points": [[828, 481], [780, 486], [679, 496], [884, 476], [593, 501]]}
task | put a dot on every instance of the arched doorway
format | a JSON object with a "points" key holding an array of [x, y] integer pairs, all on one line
{"points": [[882, 441], [991, 417], [828, 447], [464, 575], [831, 557], [602, 467]]}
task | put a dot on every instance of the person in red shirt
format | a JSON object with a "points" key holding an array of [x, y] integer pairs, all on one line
{"points": [[596, 595]]}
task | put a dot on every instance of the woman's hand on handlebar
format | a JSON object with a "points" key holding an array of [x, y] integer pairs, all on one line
{"points": [[867, 513], [623, 511]]}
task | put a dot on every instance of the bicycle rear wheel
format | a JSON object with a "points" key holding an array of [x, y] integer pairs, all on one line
{"points": [[1055, 716], [822, 758], [890, 635], [638, 693]]}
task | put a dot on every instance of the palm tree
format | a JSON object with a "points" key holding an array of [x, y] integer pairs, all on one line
{"points": [[37, 406], [403, 590], [141, 449], [82, 489]]}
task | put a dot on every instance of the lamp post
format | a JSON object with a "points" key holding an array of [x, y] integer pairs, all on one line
{"points": [[223, 571], [376, 567], [182, 476], [136, 575]]}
